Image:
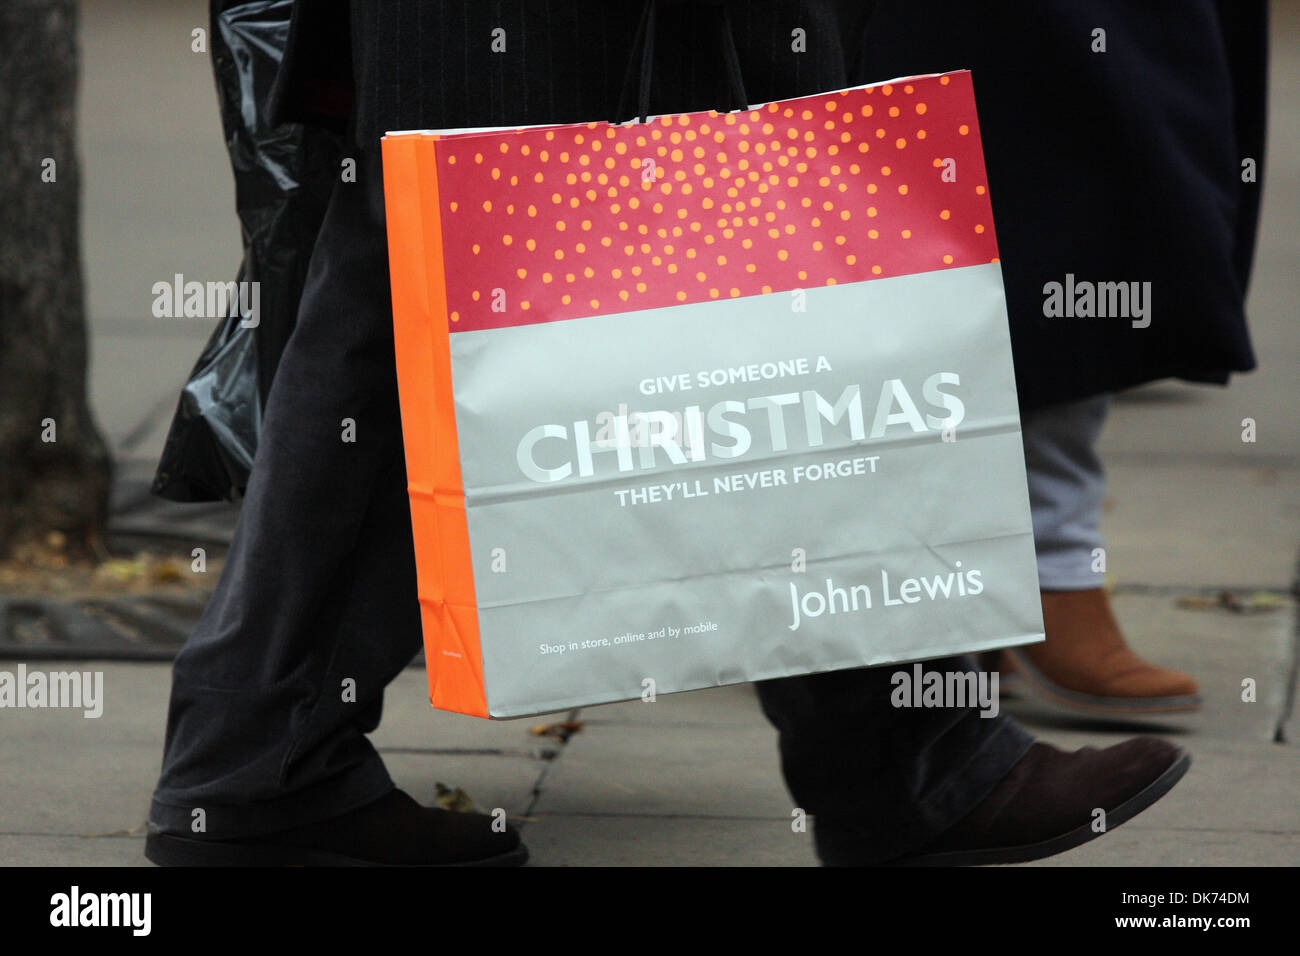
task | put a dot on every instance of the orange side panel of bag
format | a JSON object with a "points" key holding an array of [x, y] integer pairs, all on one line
{"points": [[448, 609]]}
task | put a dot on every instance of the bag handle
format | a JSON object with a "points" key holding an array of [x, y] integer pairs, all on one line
{"points": [[644, 44]]}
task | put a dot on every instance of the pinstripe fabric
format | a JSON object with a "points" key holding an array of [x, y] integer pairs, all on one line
{"points": [[430, 63], [1121, 166]]}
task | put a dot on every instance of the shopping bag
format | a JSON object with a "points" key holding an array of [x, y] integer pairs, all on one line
{"points": [[708, 399], [284, 174]]}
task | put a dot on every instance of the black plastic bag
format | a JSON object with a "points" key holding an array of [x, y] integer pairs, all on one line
{"points": [[283, 178]]}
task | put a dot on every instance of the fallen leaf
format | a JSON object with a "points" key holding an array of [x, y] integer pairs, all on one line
{"points": [[453, 798], [166, 570], [121, 570], [561, 731], [1256, 603]]}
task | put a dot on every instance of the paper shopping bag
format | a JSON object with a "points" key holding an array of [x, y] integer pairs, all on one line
{"points": [[708, 399]]}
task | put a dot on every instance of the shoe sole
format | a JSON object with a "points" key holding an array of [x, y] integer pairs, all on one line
{"points": [[166, 849], [1033, 680], [1066, 841]]}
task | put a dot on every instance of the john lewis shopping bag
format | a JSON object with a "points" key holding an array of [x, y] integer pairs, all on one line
{"points": [[710, 399]]}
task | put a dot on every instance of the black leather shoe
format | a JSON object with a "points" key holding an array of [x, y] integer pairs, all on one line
{"points": [[392, 831], [1047, 804]]}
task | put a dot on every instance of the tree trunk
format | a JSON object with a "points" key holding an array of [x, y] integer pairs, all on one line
{"points": [[55, 467]]}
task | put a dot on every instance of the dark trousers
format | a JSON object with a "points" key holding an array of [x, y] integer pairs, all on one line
{"points": [[319, 588]]}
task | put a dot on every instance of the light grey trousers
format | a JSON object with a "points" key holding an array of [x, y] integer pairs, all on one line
{"points": [[1066, 485]]}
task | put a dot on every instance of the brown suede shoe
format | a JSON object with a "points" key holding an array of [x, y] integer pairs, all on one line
{"points": [[1085, 664], [1049, 803]]}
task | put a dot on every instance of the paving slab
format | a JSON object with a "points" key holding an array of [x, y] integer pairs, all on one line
{"points": [[1237, 805], [588, 840], [71, 775], [1173, 524], [703, 753], [496, 763], [58, 850], [1131, 845]]}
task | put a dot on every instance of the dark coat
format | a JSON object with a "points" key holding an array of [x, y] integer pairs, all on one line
{"points": [[1115, 166]]}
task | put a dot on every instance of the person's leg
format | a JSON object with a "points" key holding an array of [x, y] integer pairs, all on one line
{"points": [[1084, 663], [945, 784], [1066, 486], [899, 776], [319, 586]]}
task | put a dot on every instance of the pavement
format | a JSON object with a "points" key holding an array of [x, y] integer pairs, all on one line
{"points": [[692, 778]]}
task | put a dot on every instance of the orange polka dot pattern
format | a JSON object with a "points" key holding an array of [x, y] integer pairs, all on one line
{"points": [[594, 219]]}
